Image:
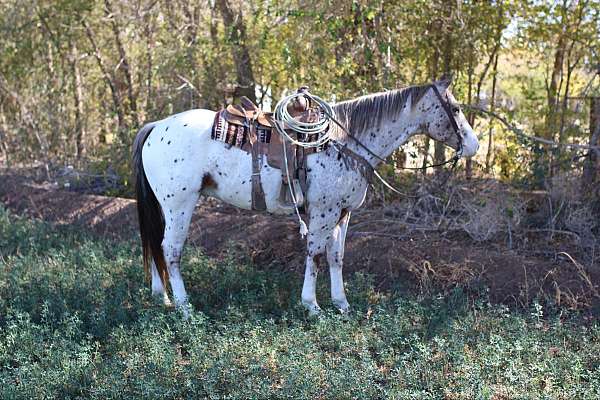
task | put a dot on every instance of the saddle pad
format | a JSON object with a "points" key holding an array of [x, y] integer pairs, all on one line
{"points": [[237, 134]]}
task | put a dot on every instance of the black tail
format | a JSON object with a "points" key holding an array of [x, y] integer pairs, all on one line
{"points": [[150, 215]]}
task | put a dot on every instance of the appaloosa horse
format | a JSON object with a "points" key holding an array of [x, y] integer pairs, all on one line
{"points": [[176, 161]]}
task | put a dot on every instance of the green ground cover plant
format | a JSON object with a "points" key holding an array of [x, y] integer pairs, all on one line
{"points": [[77, 321]]}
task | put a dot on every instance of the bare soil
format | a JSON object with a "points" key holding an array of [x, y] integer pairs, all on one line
{"points": [[417, 261]]}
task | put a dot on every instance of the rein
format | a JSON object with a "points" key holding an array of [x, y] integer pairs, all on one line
{"points": [[343, 150]]}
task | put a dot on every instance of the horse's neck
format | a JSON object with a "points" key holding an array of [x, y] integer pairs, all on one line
{"points": [[384, 139]]}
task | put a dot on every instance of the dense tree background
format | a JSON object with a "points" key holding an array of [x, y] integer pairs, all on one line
{"points": [[79, 77]]}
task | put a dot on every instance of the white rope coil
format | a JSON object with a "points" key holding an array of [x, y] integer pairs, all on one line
{"points": [[284, 119]]}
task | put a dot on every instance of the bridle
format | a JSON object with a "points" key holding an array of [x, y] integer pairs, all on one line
{"points": [[446, 106], [445, 103]]}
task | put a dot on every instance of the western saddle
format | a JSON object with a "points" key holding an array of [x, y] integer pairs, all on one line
{"points": [[248, 128]]}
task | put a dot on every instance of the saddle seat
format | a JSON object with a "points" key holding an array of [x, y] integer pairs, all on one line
{"points": [[247, 110]]}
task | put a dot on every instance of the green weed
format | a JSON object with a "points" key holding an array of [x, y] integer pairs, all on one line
{"points": [[77, 321]]}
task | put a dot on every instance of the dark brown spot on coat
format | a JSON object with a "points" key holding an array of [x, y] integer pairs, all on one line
{"points": [[208, 182]]}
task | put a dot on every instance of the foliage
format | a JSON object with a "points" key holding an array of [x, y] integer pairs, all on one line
{"points": [[79, 77], [77, 321]]}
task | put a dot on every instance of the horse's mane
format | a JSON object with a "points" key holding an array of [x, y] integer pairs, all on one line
{"points": [[368, 112]]}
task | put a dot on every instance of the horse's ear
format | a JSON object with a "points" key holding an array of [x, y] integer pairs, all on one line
{"points": [[445, 81]]}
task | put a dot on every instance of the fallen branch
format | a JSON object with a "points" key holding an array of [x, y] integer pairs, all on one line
{"points": [[581, 270], [550, 230], [519, 132]]}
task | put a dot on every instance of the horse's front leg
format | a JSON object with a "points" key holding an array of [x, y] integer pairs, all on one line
{"points": [[309, 289], [335, 259], [319, 235]]}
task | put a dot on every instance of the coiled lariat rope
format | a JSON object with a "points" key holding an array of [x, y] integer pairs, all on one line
{"points": [[320, 128], [283, 118]]}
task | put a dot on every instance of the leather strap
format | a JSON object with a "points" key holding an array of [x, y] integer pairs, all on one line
{"points": [[258, 194], [446, 106], [351, 159], [301, 169]]}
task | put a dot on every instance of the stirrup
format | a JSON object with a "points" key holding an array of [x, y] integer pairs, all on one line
{"points": [[298, 192], [285, 198]]}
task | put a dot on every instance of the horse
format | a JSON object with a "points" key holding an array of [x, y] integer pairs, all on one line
{"points": [[175, 160]]}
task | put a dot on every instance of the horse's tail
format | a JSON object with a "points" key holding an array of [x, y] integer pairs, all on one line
{"points": [[150, 215]]}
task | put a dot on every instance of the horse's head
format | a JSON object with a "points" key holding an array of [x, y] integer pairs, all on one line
{"points": [[446, 122]]}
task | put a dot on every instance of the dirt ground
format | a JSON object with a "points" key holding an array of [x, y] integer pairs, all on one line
{"points": [[418, 261]]}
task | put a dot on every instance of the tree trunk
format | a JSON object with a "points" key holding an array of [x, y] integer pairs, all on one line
{"points": [[77, 83], [556, 78], [556, 166], [4, 136], [447, 31], [234, 24], [567, 55], [107, 76], [553, 89], [433, 71], [28, 120], [470, 115], [426, 146], [544, 161], [213, 75], [123, 64], [149, 100], [192, 15], [591, 167], [490, 150]]}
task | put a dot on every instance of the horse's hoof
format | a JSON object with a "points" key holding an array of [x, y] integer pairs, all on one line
{"points": [[342, 306], [186, 310], [312, 308], [162, 298]]}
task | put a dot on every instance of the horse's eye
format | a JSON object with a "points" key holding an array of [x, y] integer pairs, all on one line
{"points": [[455, 110]]}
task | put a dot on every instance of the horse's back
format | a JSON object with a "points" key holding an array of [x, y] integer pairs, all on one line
{"points": [[197, 122]]}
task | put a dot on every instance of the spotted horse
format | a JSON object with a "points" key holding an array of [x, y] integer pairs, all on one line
{"points": [[177, 159]]}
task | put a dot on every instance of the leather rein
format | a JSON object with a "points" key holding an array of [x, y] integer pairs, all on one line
{"points": [[344, 151]]}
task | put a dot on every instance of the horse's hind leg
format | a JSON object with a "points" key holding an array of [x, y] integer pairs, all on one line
{"points": [[177, 222], [158, 289]]}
